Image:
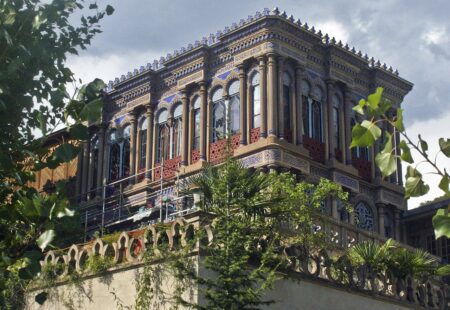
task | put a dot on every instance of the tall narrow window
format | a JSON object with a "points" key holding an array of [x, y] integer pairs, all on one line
{"points": [[142, 143], [306, 107], [196, 136], [336, 124], [234, 107], [94, 161], [359, 152], [162, 137], [256, 104], [364, 216], [287, 81], [114, 156], [177, 131], [125, 167], [219, 118]]}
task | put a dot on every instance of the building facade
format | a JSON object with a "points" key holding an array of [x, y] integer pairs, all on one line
{"points": [[281, 92]]}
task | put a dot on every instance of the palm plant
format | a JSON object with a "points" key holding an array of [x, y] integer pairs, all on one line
{"points": [[415, 262], [370, 253]]}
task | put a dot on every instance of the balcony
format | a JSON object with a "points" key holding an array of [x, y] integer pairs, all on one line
{"points": [[364, 168], [254, 134], [195, 156], [170, 168], [316, 148], [218, 149]]}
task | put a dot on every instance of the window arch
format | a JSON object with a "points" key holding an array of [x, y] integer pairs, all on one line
{"points": [[114, 156], [177, 131], [226, 113], [94, 161], [312, 111], [125, 165], [344, 215], [142, 143], [287, 98], [162, 137], [256, 100], [196, 117], [364, 216]]}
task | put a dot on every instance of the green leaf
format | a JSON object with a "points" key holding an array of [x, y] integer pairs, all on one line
{"points": [[443, 184], [373, 128], [361, 136], [374, 99], [65, 152], [386, 160], [441, 223], [414, 185], [41, 298], [7, 37], [398, 124], [406, 152], [444, 144], [359, 108], [109, 10], [10, 18], [423, 145], [42, 120], [45, 238], [92, 111], [79, 132]]}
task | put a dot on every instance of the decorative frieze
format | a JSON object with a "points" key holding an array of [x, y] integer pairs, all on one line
{"points": [[346, 181], [391, 198], [276, 157], [193, 78], [139, 101]]}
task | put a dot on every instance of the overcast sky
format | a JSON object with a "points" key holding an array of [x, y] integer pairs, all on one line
{"points": [[410, 35]]}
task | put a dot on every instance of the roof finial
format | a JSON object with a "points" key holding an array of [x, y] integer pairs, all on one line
{"points": [[275, 11]]}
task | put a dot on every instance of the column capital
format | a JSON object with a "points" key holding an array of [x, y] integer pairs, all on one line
{"points": [[262, 60], [202, 85], [133, 116]]}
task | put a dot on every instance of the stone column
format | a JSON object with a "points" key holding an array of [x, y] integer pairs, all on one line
{"points": [[243, 104], [397, 225], [149, 144], [84, 174], [185, 124], [334, 209], [299, 103], [272, 95], [263, 88], [101, 151], [190, 132], [348, 126], [90, 172], [325, 132], [280, 106], [330, 133], [133, 146], [381, 219], [203, 120], [342, 124]]}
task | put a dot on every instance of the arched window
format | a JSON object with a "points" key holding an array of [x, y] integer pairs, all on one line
{"points": [[114, 156], [94, 161], [287, 97], [364, 216], [177, 131], [125, 169], [336, 124], [344, 215], [256, 104], [162, 137], [196, 115], [219, 117], [234, 107], [142, 143], [312, 111]]}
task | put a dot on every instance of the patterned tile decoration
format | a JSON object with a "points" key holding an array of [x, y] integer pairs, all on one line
{"points": [[389, 197], [217, 149], [119, 120], [254, 134], [195, 156], [296, 162], [254, 160], [223, 76], [364, 168], [275, 156], [346, 181], [170, 168]]}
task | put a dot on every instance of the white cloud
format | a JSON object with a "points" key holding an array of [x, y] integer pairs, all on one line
{"points": [[334, 29], [431, 131], [436, 35]]}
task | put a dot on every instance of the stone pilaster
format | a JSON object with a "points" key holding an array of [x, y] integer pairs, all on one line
{"points": [[272, 95], [330, 133], [243, 104], [397, 225], [299, 104], [149, 144], [280, 106], [263, 88], [85, 174], [185, 126], [101, 151], [203, 120], [381, 219], [348, 126]]}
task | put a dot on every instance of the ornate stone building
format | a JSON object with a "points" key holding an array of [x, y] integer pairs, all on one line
{"points": [[282, 90]]}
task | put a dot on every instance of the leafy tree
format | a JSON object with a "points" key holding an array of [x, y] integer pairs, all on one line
{"points": [[35, 39], [255, 218], [380, 114]]}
